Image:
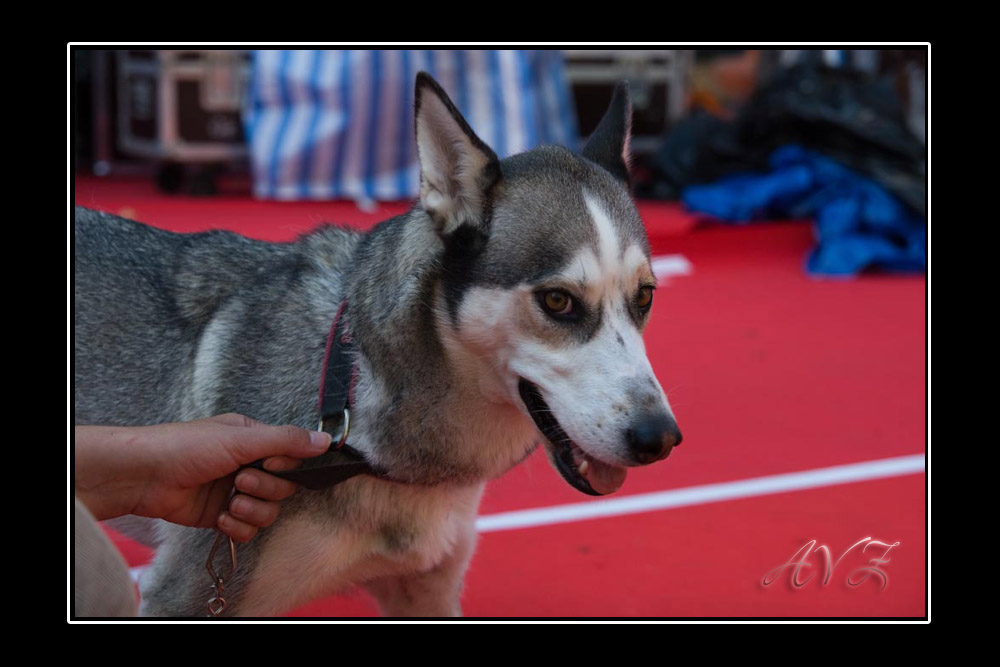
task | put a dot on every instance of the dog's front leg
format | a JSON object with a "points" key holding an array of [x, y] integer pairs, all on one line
{"points": [[434, 592]]}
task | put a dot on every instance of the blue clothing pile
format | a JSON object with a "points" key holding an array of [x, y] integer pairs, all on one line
{"points": [[859, 225]]}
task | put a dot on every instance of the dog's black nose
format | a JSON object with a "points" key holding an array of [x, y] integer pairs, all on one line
{"points": [[653, 438]]}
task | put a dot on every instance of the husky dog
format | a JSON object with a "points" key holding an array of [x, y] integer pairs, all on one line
{"points": [[504, 309]]}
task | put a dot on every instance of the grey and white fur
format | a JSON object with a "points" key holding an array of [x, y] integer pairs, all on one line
{"points": [[508, 303]]}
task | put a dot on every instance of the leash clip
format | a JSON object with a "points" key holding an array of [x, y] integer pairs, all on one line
{"points": [[217, 603], [347, 428]]}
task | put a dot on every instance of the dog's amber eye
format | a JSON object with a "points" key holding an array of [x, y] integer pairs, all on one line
{"points": [[557, 303], [645, 298]]}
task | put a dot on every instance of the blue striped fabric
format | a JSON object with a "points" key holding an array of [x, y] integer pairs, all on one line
{"points": [[339, 124]]}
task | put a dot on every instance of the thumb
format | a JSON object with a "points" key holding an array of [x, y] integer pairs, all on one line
{"points": [[257, 441]]}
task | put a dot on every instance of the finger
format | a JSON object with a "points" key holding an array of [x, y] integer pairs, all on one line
{"points": [[235, 419], [281, 463], [234, 528], [254, 511], [218, 496], [260, 440], [264, 486]]}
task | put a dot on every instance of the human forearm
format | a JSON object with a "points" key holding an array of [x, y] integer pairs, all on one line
{"points": [[184, 472], [108, 470]]}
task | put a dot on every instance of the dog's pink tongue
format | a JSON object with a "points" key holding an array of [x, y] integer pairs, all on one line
{"points": [[605, 478]]}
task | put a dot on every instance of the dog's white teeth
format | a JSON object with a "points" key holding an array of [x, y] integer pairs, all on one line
{"points": [[583, 467]]}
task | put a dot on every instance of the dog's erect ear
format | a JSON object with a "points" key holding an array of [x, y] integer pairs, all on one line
{"points": [[608, 146], [457, 170]]}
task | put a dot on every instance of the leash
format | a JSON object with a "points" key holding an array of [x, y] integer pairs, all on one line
{"points": [[339, 463], [336, 394]]}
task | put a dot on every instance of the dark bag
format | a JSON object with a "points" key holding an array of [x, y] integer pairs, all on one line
{"points": [[848, 116]]}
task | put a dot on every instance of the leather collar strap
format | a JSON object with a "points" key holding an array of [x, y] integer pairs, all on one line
{"points": [[336, 393]]}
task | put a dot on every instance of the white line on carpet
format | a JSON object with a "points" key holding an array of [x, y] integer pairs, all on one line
{"points": [[705, 493], [695, 495]]}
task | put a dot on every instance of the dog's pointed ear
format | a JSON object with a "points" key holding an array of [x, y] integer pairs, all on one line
{"points": [[608, 145], [458, 172]]}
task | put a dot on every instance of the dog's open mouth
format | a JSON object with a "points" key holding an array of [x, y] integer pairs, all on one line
{"points": [[581, 470]]}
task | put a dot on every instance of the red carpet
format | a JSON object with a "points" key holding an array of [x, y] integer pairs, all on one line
{"points": [[768, 370]]}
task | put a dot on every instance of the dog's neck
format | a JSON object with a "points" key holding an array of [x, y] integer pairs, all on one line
{"points": [[422, 410]]}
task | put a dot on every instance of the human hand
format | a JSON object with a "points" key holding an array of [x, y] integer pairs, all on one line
{"points": [[183, 472]]}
